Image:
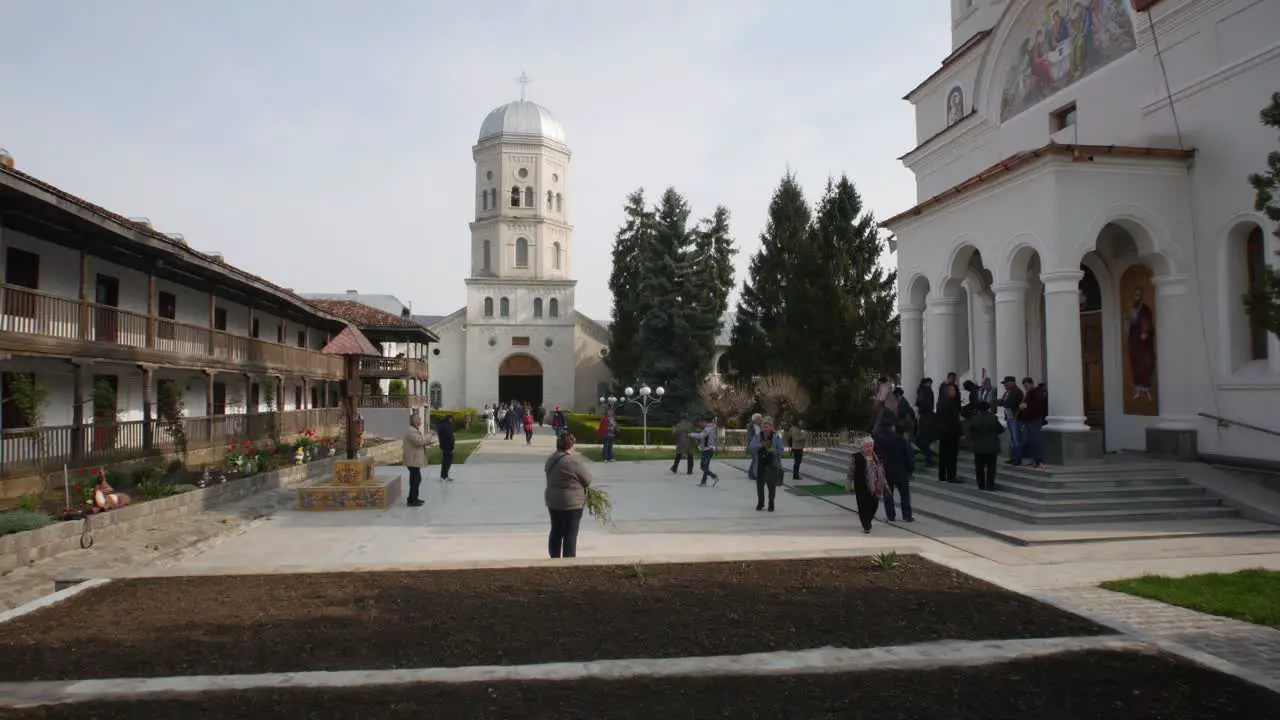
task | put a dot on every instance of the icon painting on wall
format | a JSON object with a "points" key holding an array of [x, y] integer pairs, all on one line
{"points": [[1138, 313], [955, 105], [1058, 42]]}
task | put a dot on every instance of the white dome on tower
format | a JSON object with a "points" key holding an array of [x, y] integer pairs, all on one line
{"points": [[522, 118]]}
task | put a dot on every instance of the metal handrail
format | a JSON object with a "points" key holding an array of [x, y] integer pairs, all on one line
{"points": [[1223, 422]]}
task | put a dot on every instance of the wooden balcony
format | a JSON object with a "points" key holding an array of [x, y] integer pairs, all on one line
{"points": [[105, 443], [391, 401], [384, 367], [34, 322]]}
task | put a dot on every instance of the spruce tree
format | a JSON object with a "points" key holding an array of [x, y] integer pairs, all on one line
{"points": [[761, 330], [665, 338], [1263, 304], [625, 283]]}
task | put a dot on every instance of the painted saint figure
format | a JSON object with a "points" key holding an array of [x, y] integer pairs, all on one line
{"points": [[1142, 346]]}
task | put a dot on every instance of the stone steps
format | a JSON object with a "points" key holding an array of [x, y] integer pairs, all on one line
{"points": [[1093, 493]]}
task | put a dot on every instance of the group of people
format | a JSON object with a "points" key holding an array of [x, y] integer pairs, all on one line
{"points": [[515, 417], [415, 444]]}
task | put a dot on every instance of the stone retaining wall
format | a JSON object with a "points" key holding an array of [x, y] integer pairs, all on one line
{"points": [[19, 549]]}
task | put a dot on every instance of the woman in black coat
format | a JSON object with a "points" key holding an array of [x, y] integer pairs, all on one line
{"points": [[948, 430]]}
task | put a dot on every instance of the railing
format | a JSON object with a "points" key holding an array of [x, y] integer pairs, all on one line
{"points": [[1224, 422], [103, 443], [813, 441], [391, 401], [31, 312], [392, 367]]}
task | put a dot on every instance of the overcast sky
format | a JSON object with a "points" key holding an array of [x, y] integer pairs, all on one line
{"points": [[326, 144]]}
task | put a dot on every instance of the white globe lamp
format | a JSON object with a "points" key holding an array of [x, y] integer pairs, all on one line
{"points": [[644, 390], [661, 391], [628, 392]]}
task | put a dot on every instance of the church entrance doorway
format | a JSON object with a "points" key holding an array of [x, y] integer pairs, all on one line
{"points": [[520, 380], [1095, 406]]}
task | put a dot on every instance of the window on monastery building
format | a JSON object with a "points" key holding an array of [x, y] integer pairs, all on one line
{"points": [[167, 312], [504, 307], [558, 205], [550, 198], [520, 341], [435, 395], [488, 307], [484, 199], [528, 197], [522, 252], [21, 269], [220, 319], [297, 398], [1255, 261], [1063, 118], [493, 198], [485, 261], [302, 338], [553, 308], [537, 307], [515, 196], [555, 256], [11, 416]]}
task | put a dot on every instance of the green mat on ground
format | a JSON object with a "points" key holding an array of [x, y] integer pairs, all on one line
{"points": [[819, 490]]}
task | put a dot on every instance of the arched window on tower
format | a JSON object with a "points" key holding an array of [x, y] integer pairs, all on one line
{"points": [[559, 206], [553, 308], [522, 252], [488, 307], [484, 199], [515, 196], [528, 197], [555, 256], [537, 307], [435, 395], [486, 260], [504, 307], [1255, 261], [493, 198], [550, 200]]}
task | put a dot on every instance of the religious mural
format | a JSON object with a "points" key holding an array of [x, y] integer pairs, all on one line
{"points": [[955, 105], [1059, 42], [1138, 342]]}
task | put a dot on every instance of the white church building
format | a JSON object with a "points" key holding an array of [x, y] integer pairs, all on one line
{"points": [[1084, 218], [519, 336]]}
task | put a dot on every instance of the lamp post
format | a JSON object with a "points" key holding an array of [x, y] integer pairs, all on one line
{"points": [[645, 399]]}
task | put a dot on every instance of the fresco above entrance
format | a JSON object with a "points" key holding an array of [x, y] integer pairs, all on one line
{"points": [[1057, 42]]}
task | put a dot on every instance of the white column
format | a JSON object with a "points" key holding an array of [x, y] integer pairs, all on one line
{"points": [[1011, 330], [941, 327], [1177, 411], [1063, 354], [911, 318], [983, 338]]}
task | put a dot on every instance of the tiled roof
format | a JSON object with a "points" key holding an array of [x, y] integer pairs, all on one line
{"points": [[175, 245], [350, 342], [1020, 159], [429, 320], [365, 316]]}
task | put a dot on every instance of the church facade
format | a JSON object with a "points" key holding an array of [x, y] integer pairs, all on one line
{"points": [[1084, 218], [519, 336]]}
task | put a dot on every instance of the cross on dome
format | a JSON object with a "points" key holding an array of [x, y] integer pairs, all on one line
{"points": [[524, 81]]}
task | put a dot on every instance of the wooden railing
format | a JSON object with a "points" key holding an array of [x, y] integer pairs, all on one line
{"points": [[392, 367], [32, 312], [391, 401], [114, 442]]}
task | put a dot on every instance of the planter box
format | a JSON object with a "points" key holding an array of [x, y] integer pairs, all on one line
{"points": [[19, 549]]}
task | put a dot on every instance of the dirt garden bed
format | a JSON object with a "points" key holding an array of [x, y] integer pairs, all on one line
{"points": [[346, 621], [1092, 686]]}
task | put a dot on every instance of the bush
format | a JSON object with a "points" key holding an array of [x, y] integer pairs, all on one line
{"points": [[144, 474], [179, 489], [175, 466], [587, 428], [29, 502], [156, 489], [15, 521], [462, 418]]}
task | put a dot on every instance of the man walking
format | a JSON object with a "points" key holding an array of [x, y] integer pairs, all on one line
{"points": [[706, 439], [899, 461], [444, 436], [608, 433], [415, 457], [796, 438]]}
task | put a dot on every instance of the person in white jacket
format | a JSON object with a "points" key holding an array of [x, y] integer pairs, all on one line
{"points": [[706, 439]]}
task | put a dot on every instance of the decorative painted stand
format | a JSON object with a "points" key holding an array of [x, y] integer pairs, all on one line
{"points": [[353, 487]]}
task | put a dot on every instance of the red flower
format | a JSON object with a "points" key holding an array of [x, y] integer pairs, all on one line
{"points": [[78, 487]]}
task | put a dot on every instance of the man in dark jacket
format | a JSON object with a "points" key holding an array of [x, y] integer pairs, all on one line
{"points": [[984, 436], [948, 428], [444, 436], [1009, 403], [899, 460]]}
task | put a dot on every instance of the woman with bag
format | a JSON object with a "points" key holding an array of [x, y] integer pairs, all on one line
{"points": [[867, 480]]}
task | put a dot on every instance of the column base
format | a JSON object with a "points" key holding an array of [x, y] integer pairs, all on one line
{"points": [[1069, 448], [1173, 443]]}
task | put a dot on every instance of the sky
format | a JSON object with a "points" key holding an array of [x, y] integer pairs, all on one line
{"points": [[326, 144]]}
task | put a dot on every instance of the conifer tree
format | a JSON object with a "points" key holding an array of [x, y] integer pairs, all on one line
{"points": [[625, 282], [1263, 303]]}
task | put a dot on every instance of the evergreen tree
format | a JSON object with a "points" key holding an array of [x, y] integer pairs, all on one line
{"points": [[666, 341], [761, 326], [625, 282], [837, 351], [1263, 304], [707, 279]]}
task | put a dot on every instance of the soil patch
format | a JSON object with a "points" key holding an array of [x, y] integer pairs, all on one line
{"points": [[348, 621], [1091, 685]]}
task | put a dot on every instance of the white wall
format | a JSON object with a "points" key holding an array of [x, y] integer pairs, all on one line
{"points": [[447, 363]]}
